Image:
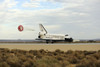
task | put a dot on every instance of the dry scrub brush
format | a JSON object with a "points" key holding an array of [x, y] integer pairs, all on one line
{"points": [[45, 58]]}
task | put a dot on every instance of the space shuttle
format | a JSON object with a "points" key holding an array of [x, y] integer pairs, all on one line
{"points": [[45, 36]]}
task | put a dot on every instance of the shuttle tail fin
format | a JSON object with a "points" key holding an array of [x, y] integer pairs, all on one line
{"points": [[42, 29]]}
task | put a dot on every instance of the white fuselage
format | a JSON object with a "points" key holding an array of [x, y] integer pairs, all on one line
{"points": [[53, 36]]}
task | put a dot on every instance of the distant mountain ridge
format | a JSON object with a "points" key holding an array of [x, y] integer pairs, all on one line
{"points": [[18, 40], [32, 40], [98, 39]]}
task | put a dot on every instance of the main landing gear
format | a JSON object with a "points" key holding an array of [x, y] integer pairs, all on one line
{"points": [[49, 41]]}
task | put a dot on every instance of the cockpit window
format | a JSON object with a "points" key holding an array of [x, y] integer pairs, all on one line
{"points": [[66, 35]]}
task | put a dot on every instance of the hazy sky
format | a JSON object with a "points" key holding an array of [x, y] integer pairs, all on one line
{"points": [[78, 18]]}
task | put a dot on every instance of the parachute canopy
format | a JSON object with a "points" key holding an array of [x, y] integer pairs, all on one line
{"points": [[20, 28]]}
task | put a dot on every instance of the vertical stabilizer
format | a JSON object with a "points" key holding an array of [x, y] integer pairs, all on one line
{"points": [[42, 29]]}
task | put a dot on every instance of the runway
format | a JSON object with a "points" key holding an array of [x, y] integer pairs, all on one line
{"points": [[49, 43], [52, 47]]}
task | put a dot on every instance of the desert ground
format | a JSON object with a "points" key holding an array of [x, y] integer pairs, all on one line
{"points": [[51, 47], [49, 55]]}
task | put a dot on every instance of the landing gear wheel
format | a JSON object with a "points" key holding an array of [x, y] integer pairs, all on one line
{"points": [[47, 42], [52, 42]]}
